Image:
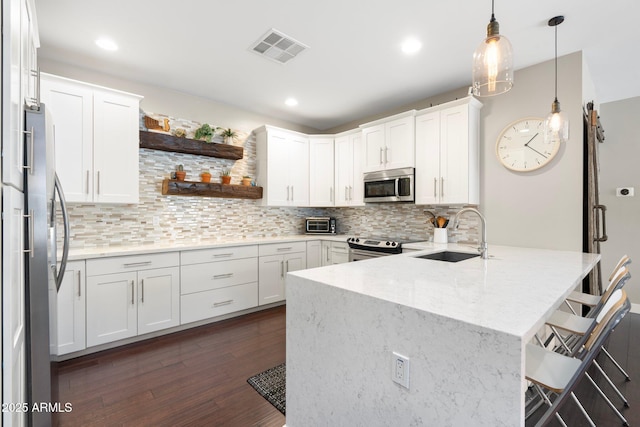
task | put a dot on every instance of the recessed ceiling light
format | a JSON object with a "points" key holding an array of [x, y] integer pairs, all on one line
{"points": [[291, 102], [411, 46], [107, 44]]}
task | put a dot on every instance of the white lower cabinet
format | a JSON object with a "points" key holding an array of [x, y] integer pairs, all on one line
{"points": [[339, 252], [68, 324], [314, 254], [218, 281], [275, 261], [131, 295]]}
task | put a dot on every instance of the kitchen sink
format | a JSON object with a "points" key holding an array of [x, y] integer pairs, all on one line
{"points": [[449, 256]]}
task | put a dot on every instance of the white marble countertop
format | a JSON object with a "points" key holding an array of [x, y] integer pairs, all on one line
{"points": [[512, 292], [99, 252]]}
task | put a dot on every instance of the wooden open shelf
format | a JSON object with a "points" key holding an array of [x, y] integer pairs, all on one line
{"points": [[173, 187], [164, 142]]}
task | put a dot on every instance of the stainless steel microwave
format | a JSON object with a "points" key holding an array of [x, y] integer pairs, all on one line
{"points": [[320, 225], [394, 185]]}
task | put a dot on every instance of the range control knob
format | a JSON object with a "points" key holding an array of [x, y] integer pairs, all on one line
{"points": [[393, 243], [388, 243], [357, 240]]}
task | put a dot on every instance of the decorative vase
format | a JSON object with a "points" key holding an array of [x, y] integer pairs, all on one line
{"points": [[228, 140], [246, 181], [180, 175], [206, 177], [226, 179]]}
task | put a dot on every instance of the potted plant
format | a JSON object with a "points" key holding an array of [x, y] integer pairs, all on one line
{"points": [[180, 173], [229, 135], [204, 133], [246, 180], [205, 176], [226, 176]]}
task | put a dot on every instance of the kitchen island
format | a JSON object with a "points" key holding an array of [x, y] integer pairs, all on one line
{"points": [[463, 326]]}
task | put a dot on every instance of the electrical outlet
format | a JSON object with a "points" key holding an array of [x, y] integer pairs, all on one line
{"points": [[400, 369], [624, 192]]}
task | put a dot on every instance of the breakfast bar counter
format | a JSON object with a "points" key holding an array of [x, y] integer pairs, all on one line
{"points": [[462, 325]]}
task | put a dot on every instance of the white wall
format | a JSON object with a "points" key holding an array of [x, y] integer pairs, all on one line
{"points": [[619, 155], [173, 103], [543, 208]]}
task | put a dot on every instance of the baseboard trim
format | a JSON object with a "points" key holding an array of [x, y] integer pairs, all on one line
{"points": [[635, 308]]}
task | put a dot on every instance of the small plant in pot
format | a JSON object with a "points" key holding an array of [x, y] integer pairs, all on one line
{"points": [[205, 176], [226, 176], [229, 135], [246, 180], [180, 173], [205, 133]]}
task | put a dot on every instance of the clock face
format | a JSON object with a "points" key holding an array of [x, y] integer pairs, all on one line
{"points": [[521, 146]]}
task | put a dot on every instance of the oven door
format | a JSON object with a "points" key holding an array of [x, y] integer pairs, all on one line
{"points": [[360, 255]]}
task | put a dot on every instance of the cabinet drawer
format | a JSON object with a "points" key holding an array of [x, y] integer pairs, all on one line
{"points": [[339, 247], [215, 275], [218, 254], [204, 305], [122, 264], [282, 248]]}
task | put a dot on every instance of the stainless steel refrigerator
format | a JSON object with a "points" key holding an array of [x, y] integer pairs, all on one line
{"points": [[43, 276]]}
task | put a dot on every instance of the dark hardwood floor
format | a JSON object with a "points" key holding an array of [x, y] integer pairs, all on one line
{"points": [[191, 378], [198, 378]]}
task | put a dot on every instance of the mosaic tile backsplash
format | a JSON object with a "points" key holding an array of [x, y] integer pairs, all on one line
{"points": [[167, 219]]}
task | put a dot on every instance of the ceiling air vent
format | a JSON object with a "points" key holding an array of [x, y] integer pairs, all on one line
{"points": [[278, 47]]}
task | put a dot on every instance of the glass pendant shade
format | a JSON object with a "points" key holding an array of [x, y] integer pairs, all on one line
{"points": [[493, 64], [556, 125]]}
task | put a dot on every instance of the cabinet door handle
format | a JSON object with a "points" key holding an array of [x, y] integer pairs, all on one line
{"points": [[441, 187], [287, 193], [346, 191], [79, 285], [288, 248], [327, 248], [292, 197], [287, 266], [87, 187], [136, 264], [132, 285], [98, 186], [350, 193], [222, 276], [380, 155], [30, 230], [221, 303], [282, 269], [331, 194], [386, 155], [31, 134], [435, 187], [223, 255], [142, 289]]}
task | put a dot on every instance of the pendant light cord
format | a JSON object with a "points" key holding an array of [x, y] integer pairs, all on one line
{"points": [[556, 62], [493, 17]]}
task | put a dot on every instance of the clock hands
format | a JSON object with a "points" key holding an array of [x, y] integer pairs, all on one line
{"points": [[527, 145]]}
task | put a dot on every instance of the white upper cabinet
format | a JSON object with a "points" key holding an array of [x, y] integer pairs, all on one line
{"points": [[447, 158], [96, 140], [389, 143], [348, 169], [283, 166], [19, 83], [321, 177]]}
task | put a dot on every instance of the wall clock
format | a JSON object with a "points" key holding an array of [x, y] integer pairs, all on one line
{"points": [[521, 146]]}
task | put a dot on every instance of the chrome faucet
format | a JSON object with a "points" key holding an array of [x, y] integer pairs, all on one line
{"points": [[483, 249]]}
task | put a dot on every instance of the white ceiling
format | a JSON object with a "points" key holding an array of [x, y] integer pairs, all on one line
{"points": [[353, 68]]}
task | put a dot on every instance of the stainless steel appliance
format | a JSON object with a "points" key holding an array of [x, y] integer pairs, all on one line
{"points": [[394, 185], [42, 276], [362, 248], [320, 225]]}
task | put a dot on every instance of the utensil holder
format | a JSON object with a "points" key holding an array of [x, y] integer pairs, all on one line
{"points": [[440, 235]]}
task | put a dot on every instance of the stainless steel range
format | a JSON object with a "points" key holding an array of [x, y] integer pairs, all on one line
{"points": [[361, 248]]}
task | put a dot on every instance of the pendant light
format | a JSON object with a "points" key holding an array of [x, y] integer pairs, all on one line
{"points": [[493, 62], [556, 125]]}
